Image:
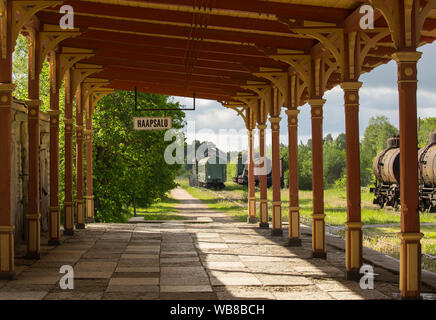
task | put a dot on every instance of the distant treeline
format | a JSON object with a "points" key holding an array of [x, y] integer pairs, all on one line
{"points": [[379, 129], [377, 132]]}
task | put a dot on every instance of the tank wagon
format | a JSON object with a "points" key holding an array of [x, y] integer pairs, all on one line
{"points": [[427, 175], [386, 169], [209, 172], [242, 171]]}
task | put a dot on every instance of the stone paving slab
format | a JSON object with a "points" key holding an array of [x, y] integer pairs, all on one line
{"points": [[186, 288], [219, 259]]}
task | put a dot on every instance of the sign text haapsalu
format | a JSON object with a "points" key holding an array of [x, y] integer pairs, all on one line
{"points": [[152, 123]]}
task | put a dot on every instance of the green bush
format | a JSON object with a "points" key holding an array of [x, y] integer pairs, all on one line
{"points": [[130, 164]]}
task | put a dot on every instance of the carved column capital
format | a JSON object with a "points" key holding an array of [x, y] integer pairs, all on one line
{"points": [[407, 66], [292, 117], [316, 106], [351, 85], [6, 94], [407, 56], [275, 123], [33, 108]]}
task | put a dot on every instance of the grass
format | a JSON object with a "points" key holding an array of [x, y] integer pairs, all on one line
{"points": [[233, 202], [383, 239], [164, 209]]}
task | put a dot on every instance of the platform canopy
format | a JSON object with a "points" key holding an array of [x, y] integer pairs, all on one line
{"points": [[212, 48]]}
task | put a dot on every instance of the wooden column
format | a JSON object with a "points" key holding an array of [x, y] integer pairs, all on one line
{"points": [[263, 180], [318, 223], [54, 216], [353, 237], [294, 207], [410, 235], [33, 214], [276, 203], [7, 267], [69, 122], [251, 182], [88, 142], [80, 202]]}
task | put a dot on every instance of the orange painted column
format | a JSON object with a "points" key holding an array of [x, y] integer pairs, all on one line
{"points": [[88, 142], [80, 202], [318, 223], [251, 182], [7, 267], [68, 133], [263, 180], [294, 206], [410, 235], [33, 214], [353, 237], [54, 216], [276, 203]]}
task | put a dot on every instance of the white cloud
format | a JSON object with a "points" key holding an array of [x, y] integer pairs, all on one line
{"points": [[378, 96]]}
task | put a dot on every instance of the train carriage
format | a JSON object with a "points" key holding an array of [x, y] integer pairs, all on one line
{"points": [[209, 172]]}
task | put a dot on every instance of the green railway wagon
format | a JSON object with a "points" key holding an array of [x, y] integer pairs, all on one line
{"points": [[211, 172]]}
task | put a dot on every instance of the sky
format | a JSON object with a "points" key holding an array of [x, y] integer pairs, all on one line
{"points": [[378, 96]]}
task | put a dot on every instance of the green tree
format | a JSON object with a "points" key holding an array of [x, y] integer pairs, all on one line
{"points": [[426, 126], [130, 164], [20, 74], [376, 134], [304, 167], [334, 159]]}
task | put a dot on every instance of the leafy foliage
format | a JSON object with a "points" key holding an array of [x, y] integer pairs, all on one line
{"points": [[334, 159], [425, 127], [20, 74], [130, 164]]}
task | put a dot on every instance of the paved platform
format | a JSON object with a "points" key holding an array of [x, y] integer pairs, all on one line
{"points": [[222, 259]]}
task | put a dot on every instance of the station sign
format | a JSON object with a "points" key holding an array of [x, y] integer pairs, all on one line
{"points": [[152, 123]]}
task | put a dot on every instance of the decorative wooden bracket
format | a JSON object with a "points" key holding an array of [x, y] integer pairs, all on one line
{"points": [[250, 102], [97, 95], [299, 62], [264, 92], [22, 11], [405, 23], [363, 42], [279, 79], [91, 85], [296, 91], [237, 106], [69, 57], [49, 38], [349, 51], [331, 38], [80, 72]]}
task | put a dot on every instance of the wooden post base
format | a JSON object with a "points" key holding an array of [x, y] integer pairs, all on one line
{"points": [[319, 255], [7, 267], [353, 274], [294, 242], [410, 265], [80, 226], [264, 225], [251, 220], [277, 232]]}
